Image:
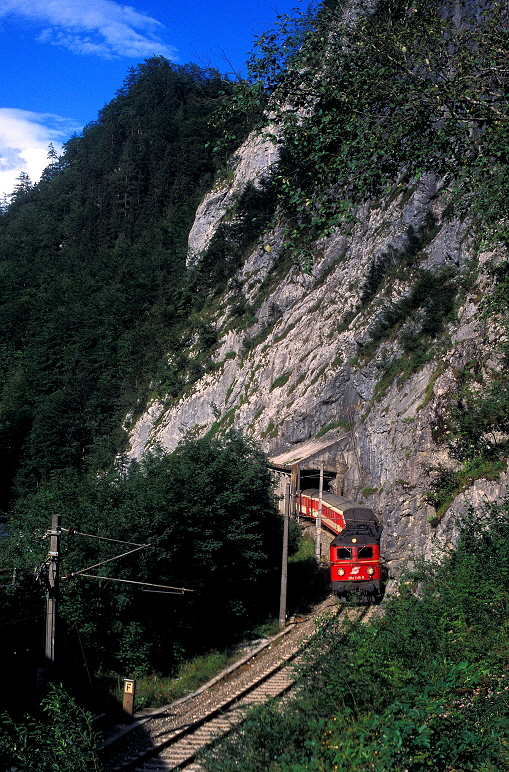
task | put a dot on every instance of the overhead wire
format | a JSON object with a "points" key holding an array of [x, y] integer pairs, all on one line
{"points": [[96, 565], [82, 572], [180, 590], [25, 619], [74, 532]]}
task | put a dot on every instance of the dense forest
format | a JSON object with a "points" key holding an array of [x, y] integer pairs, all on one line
{"points": [[99, 314], [95, 298]]}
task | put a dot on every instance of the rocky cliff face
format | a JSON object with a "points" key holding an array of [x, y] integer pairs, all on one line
{"points": [[317, 360]]}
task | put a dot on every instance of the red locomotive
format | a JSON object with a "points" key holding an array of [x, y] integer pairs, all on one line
{"points": [[355, 551]]}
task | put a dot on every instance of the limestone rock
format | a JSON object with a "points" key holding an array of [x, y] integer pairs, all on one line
{"points": [[250, 164]]}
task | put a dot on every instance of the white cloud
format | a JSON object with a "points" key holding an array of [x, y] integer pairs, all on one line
{"points": [[24, 140], [98, 27]]}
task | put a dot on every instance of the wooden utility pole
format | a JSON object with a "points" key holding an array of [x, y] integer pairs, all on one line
{"points": [[284, 563], [318, 542], [52, 593]]}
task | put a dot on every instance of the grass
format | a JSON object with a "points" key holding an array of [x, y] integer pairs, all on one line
{"points": [[449, 483], [338, 361], [318, 374], [429, 390], [270, 431], [222, 423], [155, 690], [403, 366], [347, 320], [285, 332], [280, 381], [229, 391], [346, 425], [297, 383], [432, 301]]}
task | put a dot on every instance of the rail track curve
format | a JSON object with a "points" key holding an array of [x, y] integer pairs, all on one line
{"points": [[170, 738]]}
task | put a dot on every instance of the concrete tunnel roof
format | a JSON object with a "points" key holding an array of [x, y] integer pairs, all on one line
{"points": [[303, 453]]}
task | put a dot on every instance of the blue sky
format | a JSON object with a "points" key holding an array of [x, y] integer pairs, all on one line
{"points": [[64, 59]]}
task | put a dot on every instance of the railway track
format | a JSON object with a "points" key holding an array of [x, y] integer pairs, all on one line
{"points": [[171, 738]]}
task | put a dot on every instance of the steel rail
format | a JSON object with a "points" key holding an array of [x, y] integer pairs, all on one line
{"points": [[176, 747]]}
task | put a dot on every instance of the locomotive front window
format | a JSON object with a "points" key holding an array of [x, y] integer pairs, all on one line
{"points": [[343, 553], [365, 552]]}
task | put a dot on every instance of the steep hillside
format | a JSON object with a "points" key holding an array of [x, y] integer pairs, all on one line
{"points": [[373, 343], [93, 281], [346, 275]]}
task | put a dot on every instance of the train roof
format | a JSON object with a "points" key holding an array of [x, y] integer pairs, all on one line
{"points": [[351, 510], [358, 533]]}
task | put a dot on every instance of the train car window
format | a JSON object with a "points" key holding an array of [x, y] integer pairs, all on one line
{"points": [[343, 553], [365, 552]]}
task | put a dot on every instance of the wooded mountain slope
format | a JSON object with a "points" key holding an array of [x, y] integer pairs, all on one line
{"points": [[347, 272], [93, 285]]}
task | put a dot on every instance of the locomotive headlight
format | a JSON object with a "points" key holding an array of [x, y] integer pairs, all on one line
{"points": [[341, 571], [370, 570]]}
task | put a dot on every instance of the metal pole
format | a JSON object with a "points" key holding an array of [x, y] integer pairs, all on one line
{"points": [[294, 483], [52, 594], [318, 543], [284, 566], [296, 513]]}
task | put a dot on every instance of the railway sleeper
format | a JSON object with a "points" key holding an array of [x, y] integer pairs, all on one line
{"points": [[132, 764]]}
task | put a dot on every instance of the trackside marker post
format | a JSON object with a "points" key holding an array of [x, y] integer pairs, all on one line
{"points": [[129, 692]]}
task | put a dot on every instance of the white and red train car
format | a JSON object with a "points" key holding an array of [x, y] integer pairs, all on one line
{"points": [[355, 550]]}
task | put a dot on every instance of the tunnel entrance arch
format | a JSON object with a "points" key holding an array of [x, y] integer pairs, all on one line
{"points": [[300, 466]]}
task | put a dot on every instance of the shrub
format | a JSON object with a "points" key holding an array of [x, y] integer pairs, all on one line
{"points": [[64, 741], [422, 687]]}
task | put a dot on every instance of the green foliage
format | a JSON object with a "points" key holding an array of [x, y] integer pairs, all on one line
{"points": [[209, 514], [433, 296], [395, 264], [480, 417], [233, 239], [281, 380], [97, 308], [391, 259], [155, 690], [445, 487], [361, 107], [446, 483], [63, 742], [416, 320], [422, 687], [341, 424], [429, 390], [478, 422]]}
